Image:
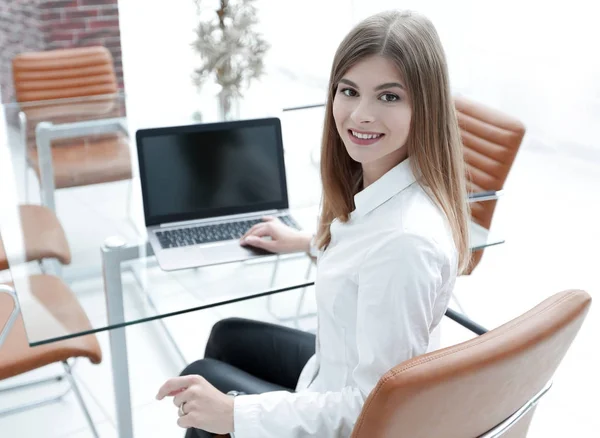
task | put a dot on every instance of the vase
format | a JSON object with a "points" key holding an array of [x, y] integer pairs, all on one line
{"points": [[229, 104]]}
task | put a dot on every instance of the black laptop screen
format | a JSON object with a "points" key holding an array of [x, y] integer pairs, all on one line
{"points": [[211, 170]]}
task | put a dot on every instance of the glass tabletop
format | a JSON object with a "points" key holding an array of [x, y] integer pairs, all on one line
{"points": [[77, 158]]}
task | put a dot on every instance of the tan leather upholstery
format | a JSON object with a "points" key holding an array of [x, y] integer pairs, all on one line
{"points": [[467, 389], [70, 111], [491, 141], [17, 357], [44, 236], [88, 161], [73, 73], [63, 73]]}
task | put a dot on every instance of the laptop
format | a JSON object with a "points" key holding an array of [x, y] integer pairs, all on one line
{"points": [[204, 186]]}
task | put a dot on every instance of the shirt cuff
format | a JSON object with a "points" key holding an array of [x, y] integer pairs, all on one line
{"points": [[246, 416]]}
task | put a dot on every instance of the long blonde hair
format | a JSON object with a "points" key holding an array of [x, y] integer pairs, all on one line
{"points": [[411, 42]]}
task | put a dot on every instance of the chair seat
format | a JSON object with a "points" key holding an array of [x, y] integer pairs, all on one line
{"points": [[17, 357], [86, 161], [44, 236]]}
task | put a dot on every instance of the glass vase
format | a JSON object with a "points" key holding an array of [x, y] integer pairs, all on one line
{"points": [[229, 104]]}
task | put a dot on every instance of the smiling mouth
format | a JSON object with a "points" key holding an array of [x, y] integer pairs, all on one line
{"points": [[364, 138]]}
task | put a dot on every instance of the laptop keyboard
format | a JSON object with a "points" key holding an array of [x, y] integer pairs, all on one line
{"points": [[211, 233]]}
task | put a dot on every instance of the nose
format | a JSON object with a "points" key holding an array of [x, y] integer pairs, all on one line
{"points": [[363, 113]]}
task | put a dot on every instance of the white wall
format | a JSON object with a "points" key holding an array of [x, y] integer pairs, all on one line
{"points": [[158, 59]]}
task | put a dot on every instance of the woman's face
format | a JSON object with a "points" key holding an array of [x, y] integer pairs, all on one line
{"points": [[372, 114]]}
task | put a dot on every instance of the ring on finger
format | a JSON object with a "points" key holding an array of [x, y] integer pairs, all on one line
{"points": [[181, 411]]}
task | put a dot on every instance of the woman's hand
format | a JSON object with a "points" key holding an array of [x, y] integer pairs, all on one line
{"points": [[282, 238], [204, 406]]}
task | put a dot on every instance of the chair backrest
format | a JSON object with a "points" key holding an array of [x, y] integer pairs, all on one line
{"points": [[466, 390], [63, 86], [63, 73], [491, 140]]}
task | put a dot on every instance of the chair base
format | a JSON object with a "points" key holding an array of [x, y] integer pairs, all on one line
{"points": [[72, 387]]}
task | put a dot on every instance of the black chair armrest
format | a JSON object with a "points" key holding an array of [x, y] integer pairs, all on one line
{"points": [[465, 322]]}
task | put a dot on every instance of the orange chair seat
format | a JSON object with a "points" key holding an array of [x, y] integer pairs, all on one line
{"points": [[44, 236], [86, 161], [17, 357]]}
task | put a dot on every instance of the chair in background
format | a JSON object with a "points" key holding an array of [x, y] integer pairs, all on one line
{"points": [[491, 140], [44, 238], [486, 387], [74, 89]]}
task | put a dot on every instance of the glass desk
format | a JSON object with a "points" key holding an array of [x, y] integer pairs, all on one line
{"points": [[131, 289]]}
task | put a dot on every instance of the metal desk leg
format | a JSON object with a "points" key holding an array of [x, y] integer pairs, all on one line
{"points": [[111, 268]]}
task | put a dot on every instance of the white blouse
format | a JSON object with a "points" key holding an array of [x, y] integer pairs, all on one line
{"points": [[383, 285]]}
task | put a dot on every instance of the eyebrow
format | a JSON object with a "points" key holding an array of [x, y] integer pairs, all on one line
{"points": [[377, 88]]}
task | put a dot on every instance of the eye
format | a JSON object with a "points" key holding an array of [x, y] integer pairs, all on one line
{"points": [[390, 97], [349, 92]]}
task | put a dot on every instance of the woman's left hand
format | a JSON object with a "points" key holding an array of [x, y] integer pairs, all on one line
{"points": [[204, 406]]}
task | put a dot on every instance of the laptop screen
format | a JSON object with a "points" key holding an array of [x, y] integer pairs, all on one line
{"points": [[209, 170]]}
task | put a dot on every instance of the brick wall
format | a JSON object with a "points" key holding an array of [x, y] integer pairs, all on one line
{"points": [[28, 25], [19, 32]]}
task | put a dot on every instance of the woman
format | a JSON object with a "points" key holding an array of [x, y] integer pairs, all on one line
{"points": [[391, 240]]}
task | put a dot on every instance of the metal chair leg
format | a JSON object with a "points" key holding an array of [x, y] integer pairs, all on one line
{"points": [[52, 379], [26, 407], [73, 383], [45, 380], [23, 132]]}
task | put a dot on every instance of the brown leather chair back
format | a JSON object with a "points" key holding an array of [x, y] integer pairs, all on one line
{"points": [[491, 140], [63, 73], [71, 85], [465, 390]]}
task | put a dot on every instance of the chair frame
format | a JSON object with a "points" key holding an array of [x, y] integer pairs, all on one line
{"points": [[68, 374], [45, 132], [505, 426]]}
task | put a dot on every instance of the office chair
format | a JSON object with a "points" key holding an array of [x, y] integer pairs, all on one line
{"points": [[491, 140], [72, 87], [44, 238], [486, 387]]}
